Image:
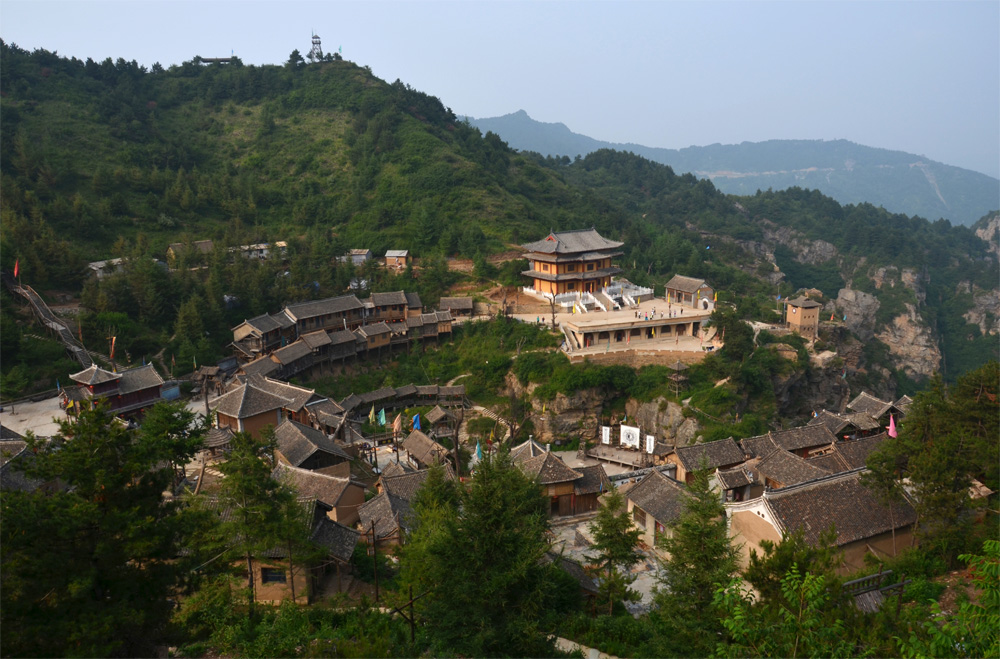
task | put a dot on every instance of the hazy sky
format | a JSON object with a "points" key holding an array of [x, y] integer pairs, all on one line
{"points": [[922, 77]]}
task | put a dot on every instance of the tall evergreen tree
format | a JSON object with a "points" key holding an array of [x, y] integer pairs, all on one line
{"points": [[88, 566], [701, 558], [616, 542], [487, 587]]}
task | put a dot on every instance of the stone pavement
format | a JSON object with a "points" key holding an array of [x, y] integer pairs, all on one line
{"points": [[40, 417]]}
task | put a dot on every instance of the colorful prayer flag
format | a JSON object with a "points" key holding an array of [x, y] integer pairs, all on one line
{"points": [[479, 451], [381, 417], [716, 299], [371, 415], [892, 426], [416, 421], [397, 424], [113, 339], [17, 267]]}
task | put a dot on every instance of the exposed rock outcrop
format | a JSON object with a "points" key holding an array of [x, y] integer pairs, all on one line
{"points": [[860, 309], [665, 419], [911, 344], [986, 311], [990, 232]]}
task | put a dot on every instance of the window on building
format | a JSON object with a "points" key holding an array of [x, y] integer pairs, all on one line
{"points": [[571, 267], [272, 575], [571, 286], [545, 267], [590, 267], [640, 517]]}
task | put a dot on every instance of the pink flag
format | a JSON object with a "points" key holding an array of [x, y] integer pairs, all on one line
{"points": [[892, 426]]}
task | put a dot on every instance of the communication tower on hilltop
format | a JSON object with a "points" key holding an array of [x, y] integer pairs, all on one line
{"points": [[316, 54]]}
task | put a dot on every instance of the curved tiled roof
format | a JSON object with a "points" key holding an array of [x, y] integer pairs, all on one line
{"points": [[247, 401], [571, 242], [658, 496], [709, 455], [297, 442]]}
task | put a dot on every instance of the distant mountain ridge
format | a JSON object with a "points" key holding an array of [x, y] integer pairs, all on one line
{"points": [[851, 173]]}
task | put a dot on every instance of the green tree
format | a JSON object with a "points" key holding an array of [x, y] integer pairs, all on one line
{"points": [[616, 542], [973, 630], [766, 571], [486, 585], [701, 557], [257, 505], [948, 437], [799, 625], [88, 567]]}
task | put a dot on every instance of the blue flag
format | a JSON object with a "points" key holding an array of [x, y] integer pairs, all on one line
{"points": [[416, 421], [479, 451], [58, 388]]}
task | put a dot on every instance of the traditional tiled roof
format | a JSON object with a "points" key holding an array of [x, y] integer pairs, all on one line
{"points": [[262, 324], [330, 305], [547, 469], [340, 336], [525, 450], [903, 404], [324, 406], [9, 448], [94, 374], [383, 394], [837, 422], [389, 299], [870, 405], [730, 479], [7, 433], [803, 303], [283, 319], [833, 462], [795, 439], [570, 242], [760, 446], [839, 501], [424, 449], [594, 480], [658, 496], [376, 329], [855, 453], [436, 415], [388, 512], [395, 469], [260, 366], [413, 300], [685, 284], [217, 437], [711, 455], [406, 390], [453, 390], [396, 253], [427, 390], [443, 316], [248, 400], [414, 322], [298, 395], [458, 303], [787, 469], [336, 538], [292, 353], [316, 339], [328, 489], [297, 442], [12, 472]]}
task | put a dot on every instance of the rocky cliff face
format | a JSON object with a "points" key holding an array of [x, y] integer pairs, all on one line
{"points": [[990, 232], [985, 311], [912, 345], [665, 419], [860, 309]]}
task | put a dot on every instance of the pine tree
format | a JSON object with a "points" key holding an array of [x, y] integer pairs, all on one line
{"points": [[701, 559], [616, 542], [487, 586], [88, 566]]}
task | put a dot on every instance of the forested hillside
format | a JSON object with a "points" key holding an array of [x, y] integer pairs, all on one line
{"points": [[103, 159]]}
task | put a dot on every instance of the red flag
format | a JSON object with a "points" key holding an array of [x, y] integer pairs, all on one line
{"points": [[17, 266], [113, 339]]}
